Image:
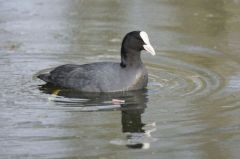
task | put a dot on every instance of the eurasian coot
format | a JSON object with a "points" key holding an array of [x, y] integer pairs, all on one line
{"points": [[129, 74]]}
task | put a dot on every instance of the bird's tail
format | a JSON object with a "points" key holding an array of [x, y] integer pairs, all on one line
{"points": [[44, 77]]}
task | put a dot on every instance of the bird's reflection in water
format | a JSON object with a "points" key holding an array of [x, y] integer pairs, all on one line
{"points": [[133, 127], [135, 103]]}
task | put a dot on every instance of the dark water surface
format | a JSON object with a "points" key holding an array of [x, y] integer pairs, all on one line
{"points": [[191, 108]]}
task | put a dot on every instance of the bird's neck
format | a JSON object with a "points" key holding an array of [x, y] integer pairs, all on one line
{"points": [[130, 58]]}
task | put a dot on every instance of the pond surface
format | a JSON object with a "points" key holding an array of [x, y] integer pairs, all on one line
{"points": [[191, 108]]}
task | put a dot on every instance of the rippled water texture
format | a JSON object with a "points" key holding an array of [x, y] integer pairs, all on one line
{"points": [[191, 108]]}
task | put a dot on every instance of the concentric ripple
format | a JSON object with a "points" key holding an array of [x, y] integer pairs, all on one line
{"points": [[175, 78]]}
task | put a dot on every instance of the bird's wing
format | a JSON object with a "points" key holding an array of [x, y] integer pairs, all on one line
{"points": [[60, 73]]}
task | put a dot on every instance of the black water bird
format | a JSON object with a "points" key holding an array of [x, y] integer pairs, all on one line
{"points": [[129, 74]]}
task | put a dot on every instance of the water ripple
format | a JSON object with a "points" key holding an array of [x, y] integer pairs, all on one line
{"points": [[173, 77]]}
